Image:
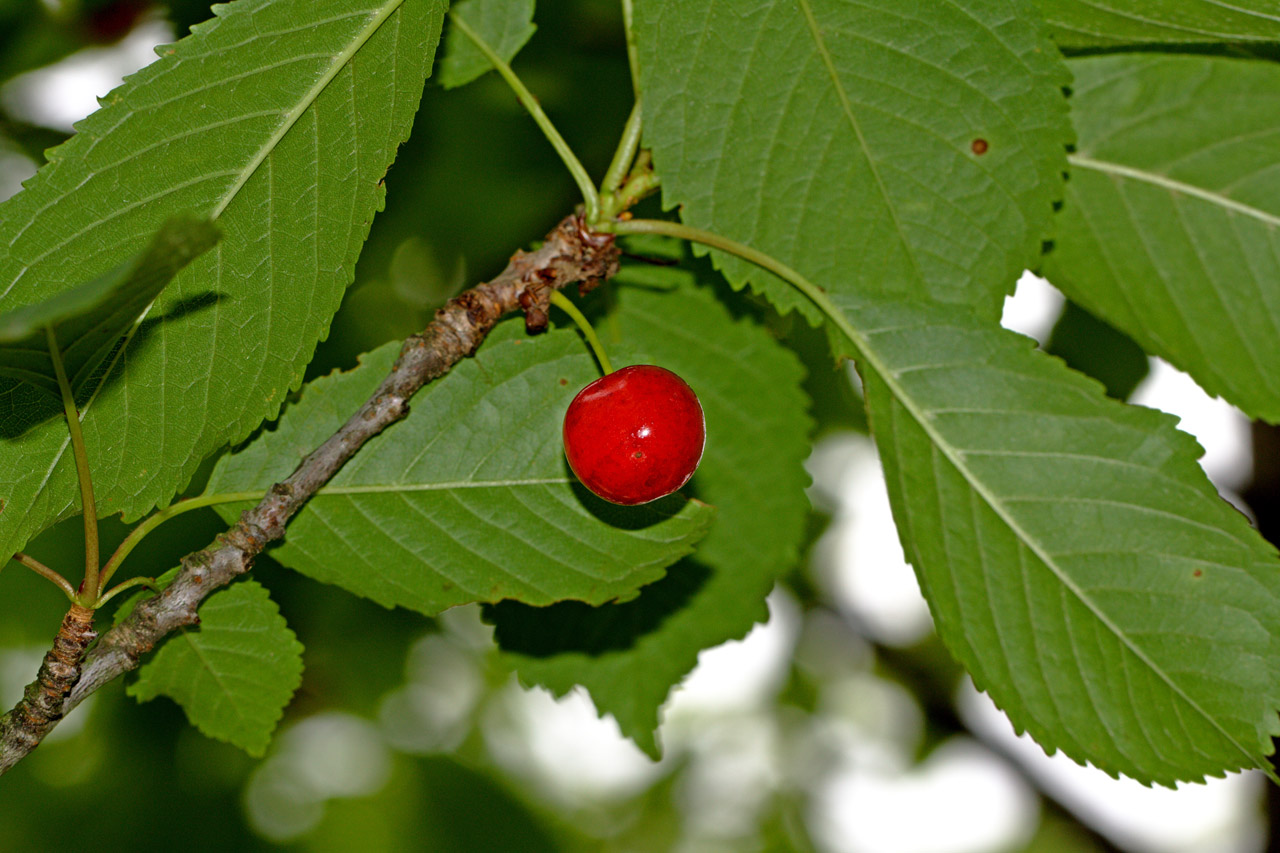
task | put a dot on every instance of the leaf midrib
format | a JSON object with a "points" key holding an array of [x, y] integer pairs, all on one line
{"points": [[340, 61], [457, 485], [846, 105], [214, 674], [211, 498], [1172, 185], [1166, 25]]}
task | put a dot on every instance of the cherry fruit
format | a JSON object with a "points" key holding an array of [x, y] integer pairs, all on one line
{"points": [[635, 435]]}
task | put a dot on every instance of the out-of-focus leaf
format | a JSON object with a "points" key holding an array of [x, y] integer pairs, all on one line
{"points": [[1096, 349]]}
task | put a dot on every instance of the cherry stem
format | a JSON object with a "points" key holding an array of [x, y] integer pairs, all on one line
{"points": [[47, 573], [562, 302]]}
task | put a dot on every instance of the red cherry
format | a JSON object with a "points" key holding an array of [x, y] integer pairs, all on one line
{"points": [[635, 435]]}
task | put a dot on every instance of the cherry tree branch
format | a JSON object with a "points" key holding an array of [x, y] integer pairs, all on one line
{"points": [[572, 253]]}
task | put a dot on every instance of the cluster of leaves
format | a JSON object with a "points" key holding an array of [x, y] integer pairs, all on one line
{"points": [[906, 158]]}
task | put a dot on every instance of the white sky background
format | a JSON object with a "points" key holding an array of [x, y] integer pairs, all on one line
{"points": [[869, 795]]}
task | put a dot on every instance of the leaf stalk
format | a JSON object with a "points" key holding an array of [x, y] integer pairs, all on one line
{"points": [[47, 573], [633, 59], [590, 198], [149, 583], [708, 238], [89, 588], [620, 166], [160, 517]]}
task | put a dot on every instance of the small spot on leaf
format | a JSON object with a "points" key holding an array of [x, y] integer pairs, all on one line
{"points": [[980, 146]]}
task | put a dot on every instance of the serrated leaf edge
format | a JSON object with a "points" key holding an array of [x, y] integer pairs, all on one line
{"points": [[293, 645], [867, 353]]}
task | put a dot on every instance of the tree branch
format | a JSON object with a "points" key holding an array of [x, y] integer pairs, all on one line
{"points": [[572, 253], [43, 702]]}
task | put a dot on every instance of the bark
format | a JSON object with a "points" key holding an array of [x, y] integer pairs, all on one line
{"points": [[43, 702]]}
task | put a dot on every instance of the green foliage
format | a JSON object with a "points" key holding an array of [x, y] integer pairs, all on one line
{"points": [[439, 805], [278, 119], [234, 675], [905, 155], [1109, 23], [836, 139], [629, 655], [1169, 228], [88, 321], [1075, 557], [505, 25], [470, 498]]}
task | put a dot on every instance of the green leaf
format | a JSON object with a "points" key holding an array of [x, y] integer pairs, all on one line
{"points": [[630, 655], [1076, 559], [469, 498], [1169, 228], [278, 119], [89, 320], [840, 138], [233, 675], [1108, 23], [505, 25]]}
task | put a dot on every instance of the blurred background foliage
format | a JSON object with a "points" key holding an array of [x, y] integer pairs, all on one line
{"points": [[405, 735]]}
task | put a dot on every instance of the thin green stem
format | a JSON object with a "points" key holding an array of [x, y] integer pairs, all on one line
{"points": [[643, 166], [590, 199], [760, 259], [47, 573], [89, 588], [622, 158], [640, 185], [160, 517], [149, 583], [707, 238], [562, 302], [632, 57]]}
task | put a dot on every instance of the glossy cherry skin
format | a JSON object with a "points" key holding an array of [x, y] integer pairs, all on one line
{"points": [[635, 435]]}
